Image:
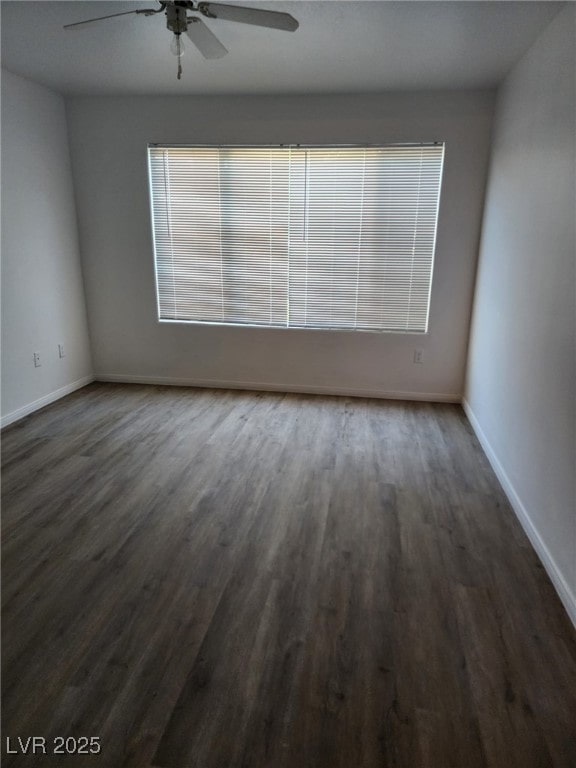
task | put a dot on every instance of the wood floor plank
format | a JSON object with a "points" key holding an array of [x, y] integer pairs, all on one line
{"points": [[221, 579]]}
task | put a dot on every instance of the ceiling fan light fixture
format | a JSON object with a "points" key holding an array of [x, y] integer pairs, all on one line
{"points": [[177, 45]]}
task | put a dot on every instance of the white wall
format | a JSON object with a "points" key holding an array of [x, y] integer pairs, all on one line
{"points": [[109, 136], [521, 381], [42, 292]]}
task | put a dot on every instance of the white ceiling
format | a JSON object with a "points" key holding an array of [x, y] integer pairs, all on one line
{"points": [[340, 47]]}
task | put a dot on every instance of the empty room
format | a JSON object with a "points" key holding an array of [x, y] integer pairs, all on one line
{"points": [[288, 384]]}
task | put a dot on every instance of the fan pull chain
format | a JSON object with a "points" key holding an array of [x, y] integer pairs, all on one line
{"points": [[179, 68]]}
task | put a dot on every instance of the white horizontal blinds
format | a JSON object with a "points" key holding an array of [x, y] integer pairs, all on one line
{"points": [[327, 193], [220, 221], [186, 216], [300, 237], [363, 229], [254, 235]]}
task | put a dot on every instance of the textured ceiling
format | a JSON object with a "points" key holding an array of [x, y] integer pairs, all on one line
{"points": [[340, 47]]}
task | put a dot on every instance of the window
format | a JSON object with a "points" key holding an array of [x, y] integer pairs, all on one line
{"points": [[297, 237]]}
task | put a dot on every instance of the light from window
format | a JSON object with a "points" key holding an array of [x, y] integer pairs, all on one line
{"points": [[296, 237]]}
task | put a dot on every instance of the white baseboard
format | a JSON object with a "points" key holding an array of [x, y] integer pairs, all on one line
{"points": [[311, 389], [560, 584], [26, 410]]}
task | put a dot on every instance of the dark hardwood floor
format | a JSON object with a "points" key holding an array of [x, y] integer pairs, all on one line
{"points": [[215, 579]]}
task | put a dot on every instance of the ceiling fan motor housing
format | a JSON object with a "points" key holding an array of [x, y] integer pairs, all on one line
{"points": [[176, 17]]}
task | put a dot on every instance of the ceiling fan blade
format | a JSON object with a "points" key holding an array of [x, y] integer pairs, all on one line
{"points": [[261, 18], [206, 42], [146, 11]]}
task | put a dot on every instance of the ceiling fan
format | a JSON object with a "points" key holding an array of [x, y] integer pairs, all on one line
{"points": [[178, 21]]}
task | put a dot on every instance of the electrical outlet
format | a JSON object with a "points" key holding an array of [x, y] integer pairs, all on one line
{"points": [[419, 356], [37, 362], [61, 351]]}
